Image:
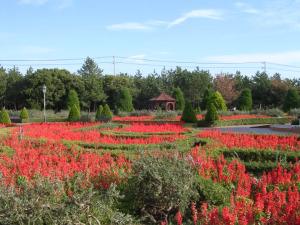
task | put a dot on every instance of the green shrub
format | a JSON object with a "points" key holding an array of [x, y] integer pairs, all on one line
{"points": [[272, 120], [73, 100], [274, 112], [74, 114], [178, 95], [245, 100], [106, 115], [218, 100], [165, 115], [4, 117], [206, 97], [124, 102], [155, 191], [212, 193], [295, 112], [291, 100], [189, 115], [99, 113], [24, 115], [211, 115], [47, 202]]}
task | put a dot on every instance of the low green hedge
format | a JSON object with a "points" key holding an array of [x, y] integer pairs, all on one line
{"points": [[258, 161], [261, 155], [251, 121], [258, 168]]}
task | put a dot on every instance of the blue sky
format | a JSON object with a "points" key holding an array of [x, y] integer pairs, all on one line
{"points": [[202, 31]]}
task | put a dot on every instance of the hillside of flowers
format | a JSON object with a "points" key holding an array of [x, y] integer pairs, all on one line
{"points": [[216, 188]]}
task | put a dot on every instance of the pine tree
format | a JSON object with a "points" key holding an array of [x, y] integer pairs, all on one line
{"points": [[99, 113], [73, 100], [245, 100], [211, 115], [206, 97], [125, 101], [219, 102], [106, 114], [74, 114], [178, 95], [4, 117], [24, 115], [291, 100], [189, 114]]}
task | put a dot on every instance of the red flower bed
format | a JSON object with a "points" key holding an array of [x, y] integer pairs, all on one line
{"points": [[69, 131], [273, 199], [55, 161], [234, 140], [152, 128]]}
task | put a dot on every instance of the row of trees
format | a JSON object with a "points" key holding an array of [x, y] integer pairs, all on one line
{"points": [[95, 88]]}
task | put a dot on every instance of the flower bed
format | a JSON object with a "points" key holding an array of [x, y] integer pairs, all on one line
{"points": [[234, 140], [54, 160], [74, 132]]}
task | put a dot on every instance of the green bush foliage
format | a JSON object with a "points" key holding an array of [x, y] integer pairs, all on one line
{"points": [[155, 191], [218, 100], [24, 115], [291, 100], [49, 202], [73, 100], [4, 117], [245, 100], [99, 113], [74, 114], [189, 115], [206, 96], [211, 115], [211, 192], [274, 112], [106, 114], [178, 95], [125, 101], [273, 120]]}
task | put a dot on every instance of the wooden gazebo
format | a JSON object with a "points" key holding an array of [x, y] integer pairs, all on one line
{"points": [[163, 101]]}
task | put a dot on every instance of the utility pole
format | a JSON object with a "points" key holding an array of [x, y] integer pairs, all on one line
{"points": [[264, 66], [114, 64]]}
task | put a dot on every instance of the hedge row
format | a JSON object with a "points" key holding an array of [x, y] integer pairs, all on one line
{"points": [[251, 121]]}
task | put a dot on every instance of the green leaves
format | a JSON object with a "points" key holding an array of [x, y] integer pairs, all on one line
{"points": [[245, 100]]}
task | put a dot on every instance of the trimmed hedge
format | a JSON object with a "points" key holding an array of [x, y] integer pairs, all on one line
{"points": [[252, 121], [4, 117], [261, 155], [24, 115]]}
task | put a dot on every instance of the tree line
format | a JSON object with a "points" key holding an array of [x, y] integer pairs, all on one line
{"points": [[94, 88]]}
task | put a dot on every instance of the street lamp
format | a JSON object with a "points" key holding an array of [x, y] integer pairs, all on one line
{"points": [[44, 92]]}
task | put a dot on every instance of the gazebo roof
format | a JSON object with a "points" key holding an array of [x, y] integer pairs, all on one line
{"points": [[163, 97]]}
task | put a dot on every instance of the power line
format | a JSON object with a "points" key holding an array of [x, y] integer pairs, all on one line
{"points": [[285, 65], [182, 62]]}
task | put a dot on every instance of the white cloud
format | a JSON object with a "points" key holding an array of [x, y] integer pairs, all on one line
{"points": [[200, 13], [274, 13], [152, 24], [276, 57], [247, 8], [129, 26]]}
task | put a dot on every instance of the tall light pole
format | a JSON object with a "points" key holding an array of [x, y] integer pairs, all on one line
{"points": [[44, 92]]}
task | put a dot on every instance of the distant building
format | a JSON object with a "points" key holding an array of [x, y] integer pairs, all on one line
{"points": [[163, 101]]}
